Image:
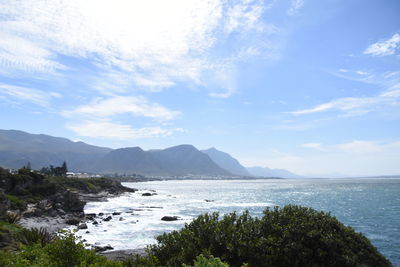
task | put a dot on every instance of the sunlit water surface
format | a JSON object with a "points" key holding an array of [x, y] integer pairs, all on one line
{"points": [[371, 206]]}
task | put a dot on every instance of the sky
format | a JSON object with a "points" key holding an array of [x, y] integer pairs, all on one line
{"points": [[305, 85]]}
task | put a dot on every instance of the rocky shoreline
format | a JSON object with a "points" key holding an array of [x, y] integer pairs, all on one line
{"points": [[62, 213]]}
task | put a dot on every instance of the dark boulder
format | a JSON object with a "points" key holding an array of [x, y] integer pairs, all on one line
{"points": [[170, 218], [73, 221], [70, 201], [101, 249], [82, 226], [107, 219]]}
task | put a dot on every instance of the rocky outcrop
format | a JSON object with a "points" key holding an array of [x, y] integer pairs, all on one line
{"points": [[170, 218]]}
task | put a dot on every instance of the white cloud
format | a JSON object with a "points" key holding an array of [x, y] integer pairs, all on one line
{"points": [[135, 105], [21, 54], [112, 130], [384, 48], [295, 6], [245, 15], [316, 146], [360, 147], [154, 43], [19, 93], [356, 105]]}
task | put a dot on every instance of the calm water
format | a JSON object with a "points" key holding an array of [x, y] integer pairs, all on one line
{"points": [[371, 206]]}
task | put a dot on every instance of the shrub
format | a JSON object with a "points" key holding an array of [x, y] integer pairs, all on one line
{"points": [[12, 217], [16, 203], [290, 236], [35, 236], [202, 261], [65, 251]]}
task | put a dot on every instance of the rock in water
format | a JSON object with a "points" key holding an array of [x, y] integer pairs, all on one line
{"points": [[170, 218], [82, 226]]}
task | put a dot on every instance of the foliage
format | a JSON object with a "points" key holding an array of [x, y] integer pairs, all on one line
{"points": [[12, 217], [290, 236], [142, 261], [35, 236], [65, 251], [202, 261], [16, 202], [55, 171]]}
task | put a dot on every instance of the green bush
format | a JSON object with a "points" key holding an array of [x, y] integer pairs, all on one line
{"points": [[35, 236], [290, 236], [16, 203], [65, 251], [202, 261]]}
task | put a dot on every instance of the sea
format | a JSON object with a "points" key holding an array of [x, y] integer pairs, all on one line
{"points": [[369, 205]]}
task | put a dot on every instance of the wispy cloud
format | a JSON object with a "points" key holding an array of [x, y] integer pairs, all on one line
{"points": [[113, 130], [360, 147], [137, 106], [356, 105], [245, 16], [384, 48], [295, 6], [316, 146], [24, 94], [154, 44]]}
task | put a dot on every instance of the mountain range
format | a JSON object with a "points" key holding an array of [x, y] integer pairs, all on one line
{"points": [[267, 172], [17, 148]]}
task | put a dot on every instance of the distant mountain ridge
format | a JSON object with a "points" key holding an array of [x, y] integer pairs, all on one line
{"points": [[267, 172], [17, 148], [226, 161], [174, 161]]}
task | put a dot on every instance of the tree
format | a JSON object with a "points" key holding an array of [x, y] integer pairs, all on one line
{"points": [[56, 171], [64, 168], [288, 236]]}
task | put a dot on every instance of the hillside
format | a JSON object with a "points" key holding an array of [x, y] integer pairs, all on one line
{"points": [[17, 148], [226, 161]]}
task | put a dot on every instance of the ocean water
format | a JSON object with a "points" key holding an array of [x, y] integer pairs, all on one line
{"points": [[371, 206]]}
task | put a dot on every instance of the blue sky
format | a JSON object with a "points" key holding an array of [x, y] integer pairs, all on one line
{"points": [[309, 86]]}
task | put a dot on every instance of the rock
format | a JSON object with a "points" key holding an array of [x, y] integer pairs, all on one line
{"points": [[121, 219], [116, 213], [88, 232], [147, 194], [69, 200], [95, 222], [72, 221], [170, 218], [93, 215], [101, 214], [82, 226], [61, 212], [100, 249], [107, 219], [208, 200], [90, 218], [53, 213], [44, 204]]}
